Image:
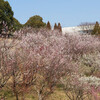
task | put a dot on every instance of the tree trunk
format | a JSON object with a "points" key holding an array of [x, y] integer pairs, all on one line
{"points": [[14, 86], [16, 96], [40, 96], [23, 98]]}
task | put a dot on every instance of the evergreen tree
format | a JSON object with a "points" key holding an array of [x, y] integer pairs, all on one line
{"points": [[16, 24], [48, 26], [35, 22], [6, 15], [59, 27], [96, 30], [55, 27]]}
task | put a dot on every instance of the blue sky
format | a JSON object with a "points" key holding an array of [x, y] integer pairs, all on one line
{"points": [[67, 12]]}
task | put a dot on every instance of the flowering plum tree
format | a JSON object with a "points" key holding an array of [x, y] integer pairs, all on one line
{"points": [[40, 59], [47, 56], [44, 52], [76, 47]]}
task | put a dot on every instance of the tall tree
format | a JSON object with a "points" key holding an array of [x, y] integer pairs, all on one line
{"points": [[55, 27], [35, 22], [48, 26], [96, 30], [6, 15], [59, 27]]}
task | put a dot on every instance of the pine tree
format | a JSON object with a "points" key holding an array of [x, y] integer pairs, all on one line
{"points": [[55, 27], [48, 26], [59, 27], [96, 29]]}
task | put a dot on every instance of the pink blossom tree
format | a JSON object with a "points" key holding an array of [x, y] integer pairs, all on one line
{"points": [[76, 47], [45, 51], [42, 59]]}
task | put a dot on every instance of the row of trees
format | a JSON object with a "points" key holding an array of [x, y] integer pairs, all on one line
{"points": [[37, 22], [56, 27], [9, 23], [39, 61]]}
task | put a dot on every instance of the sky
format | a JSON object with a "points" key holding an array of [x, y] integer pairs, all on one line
{"points": [[68, 12]]}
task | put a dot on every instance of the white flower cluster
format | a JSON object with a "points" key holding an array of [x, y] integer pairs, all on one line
{"points": [[91, 81], [92, 60]]}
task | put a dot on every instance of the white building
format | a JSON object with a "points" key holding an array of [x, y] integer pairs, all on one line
{"points": [[78, 29]]}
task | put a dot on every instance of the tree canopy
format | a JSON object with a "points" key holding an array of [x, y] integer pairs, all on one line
{"points": [[35, 22], [6, 14], [16, 24]]}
